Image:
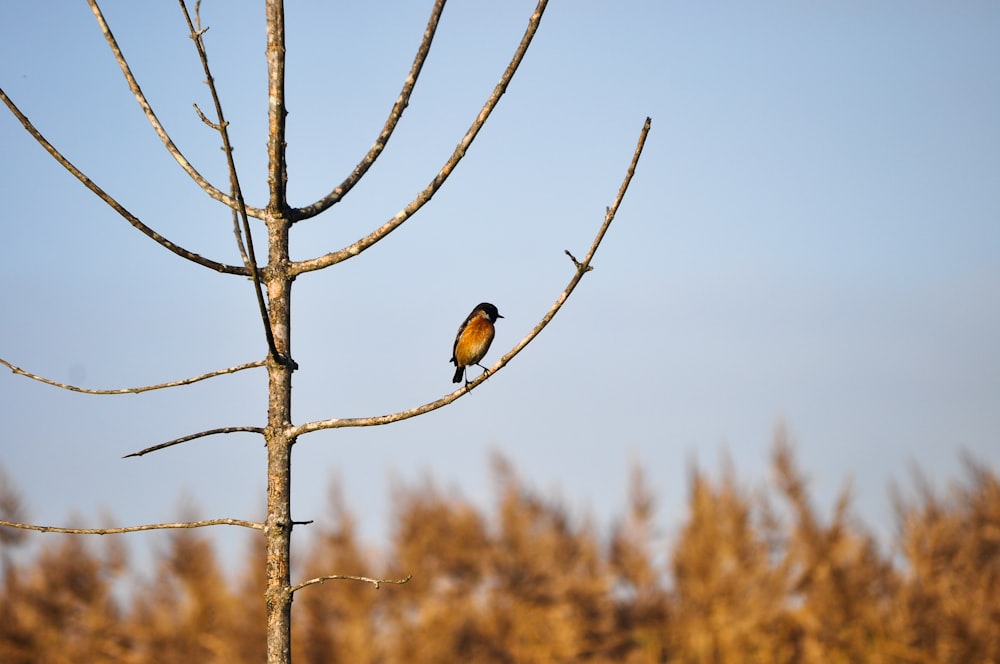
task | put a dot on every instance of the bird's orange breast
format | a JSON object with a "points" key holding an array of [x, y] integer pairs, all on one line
{"points": [[474, 341]]}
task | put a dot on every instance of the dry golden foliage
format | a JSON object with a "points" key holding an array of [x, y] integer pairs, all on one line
{"points": [[730, 592], [186, 612], [641, 607], [750, 576], [949, 601], [11, 509], [61, 608], [336, 618]]}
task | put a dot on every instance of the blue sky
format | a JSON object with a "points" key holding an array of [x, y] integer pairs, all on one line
{"points": [[812, 237]]}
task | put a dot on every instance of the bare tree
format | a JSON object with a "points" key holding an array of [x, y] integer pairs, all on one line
{"points": [[272, 281]]}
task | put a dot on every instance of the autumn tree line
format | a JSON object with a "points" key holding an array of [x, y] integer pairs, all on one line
{"points": [[751, 575]]}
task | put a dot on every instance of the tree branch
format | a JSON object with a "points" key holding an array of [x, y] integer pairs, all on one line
{"points": [[581, 268], [115, 205], [133, 529], [155, 122], [249, 259], [395, 114], [460, 150], [348, 577], [200, 434], [131, 390]]}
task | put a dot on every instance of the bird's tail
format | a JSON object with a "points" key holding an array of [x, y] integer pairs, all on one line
{"points": [[459, 373]]}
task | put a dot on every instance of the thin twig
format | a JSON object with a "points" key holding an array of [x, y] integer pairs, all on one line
{"points": [[237, 232], [131, 390], [577, 263], [204, 118], [621, 191], [115, 205], [249, 259], [348, 577], [402, 101], [446, 170], [134, 529], [582, 267], [155, 122], [200, 434]]}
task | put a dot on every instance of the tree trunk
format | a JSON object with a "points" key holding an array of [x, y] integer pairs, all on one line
{"points": [[278, 525]]}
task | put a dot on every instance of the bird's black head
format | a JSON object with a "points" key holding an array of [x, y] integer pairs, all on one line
{"points": [[490, 310]]}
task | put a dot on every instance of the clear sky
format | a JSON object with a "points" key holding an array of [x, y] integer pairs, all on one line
{"points": [[812, 237]]}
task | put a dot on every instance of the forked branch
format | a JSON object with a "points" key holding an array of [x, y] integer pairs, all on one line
{"points": [[240, 209], [395, 114], [155, 122], [134, 529], [446, 170], [581, 268], [131, 390]]}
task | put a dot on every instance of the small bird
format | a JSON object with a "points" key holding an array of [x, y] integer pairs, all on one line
{"points": [[473, 339]]}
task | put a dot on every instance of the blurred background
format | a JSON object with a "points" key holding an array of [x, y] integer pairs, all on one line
{"points": [[811, 241]]}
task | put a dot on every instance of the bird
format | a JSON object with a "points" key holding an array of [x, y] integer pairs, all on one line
{"points": [[473, 339]]}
